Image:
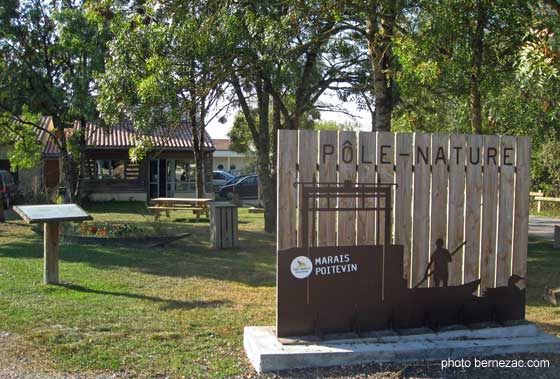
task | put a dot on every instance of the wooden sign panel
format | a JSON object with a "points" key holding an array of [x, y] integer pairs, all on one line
{"points": [[456, 217]]}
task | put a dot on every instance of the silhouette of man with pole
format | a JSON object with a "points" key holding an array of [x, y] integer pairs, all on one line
{"points": [[440, 259]]}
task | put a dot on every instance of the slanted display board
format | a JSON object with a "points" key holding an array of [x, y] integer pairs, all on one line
{"points": [[380, 230], [36, 214], [51, 216]]}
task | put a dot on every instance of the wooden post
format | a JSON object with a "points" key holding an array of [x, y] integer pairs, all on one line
{"points": [[2, 218], [51, 252], [556, 243], [223, 226]]}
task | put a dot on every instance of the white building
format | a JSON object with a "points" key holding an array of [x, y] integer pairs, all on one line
{"points": [[230, 161]]}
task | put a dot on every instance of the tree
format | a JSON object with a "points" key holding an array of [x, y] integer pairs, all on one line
{"points": [[50, 52], [456, 60], [166, 67], [288, 54]]}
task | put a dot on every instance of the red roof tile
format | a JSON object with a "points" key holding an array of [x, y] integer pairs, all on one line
{"points": [[222, 144], [124, 136]]}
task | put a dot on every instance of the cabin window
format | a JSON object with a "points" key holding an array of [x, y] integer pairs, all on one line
{"points": [[184, 176], [110, 169]]}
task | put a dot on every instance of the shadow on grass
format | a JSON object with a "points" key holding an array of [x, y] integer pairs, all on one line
{"points": [[167, 304], [252, 264]]}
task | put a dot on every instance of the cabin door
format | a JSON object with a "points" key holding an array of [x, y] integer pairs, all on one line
{"points": [[159, 178], [170, 172], [153, 191]]}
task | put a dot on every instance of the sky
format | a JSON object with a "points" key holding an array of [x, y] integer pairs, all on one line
{"points": [[219, 130]]}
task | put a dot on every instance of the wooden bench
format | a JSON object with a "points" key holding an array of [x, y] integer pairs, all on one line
{"points": [[196, 210]]}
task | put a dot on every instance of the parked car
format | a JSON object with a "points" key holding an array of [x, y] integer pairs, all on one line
{"points": [[220, 178], [8, 188], [235, 180], [246, 188]]}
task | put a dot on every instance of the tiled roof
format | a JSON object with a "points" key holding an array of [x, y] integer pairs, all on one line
{"points": [[124, 136], [222, 143]]}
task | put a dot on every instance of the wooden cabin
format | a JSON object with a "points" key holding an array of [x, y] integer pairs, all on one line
{"points": [[107, 173]]}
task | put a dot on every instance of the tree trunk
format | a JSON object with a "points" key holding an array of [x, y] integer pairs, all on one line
{"points": [[379, 31], [267, 175], [477, 47], [198, 147], [68, 173], [261, 137]]}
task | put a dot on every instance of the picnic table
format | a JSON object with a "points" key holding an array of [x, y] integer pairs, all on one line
{"points": [[169, 204]]}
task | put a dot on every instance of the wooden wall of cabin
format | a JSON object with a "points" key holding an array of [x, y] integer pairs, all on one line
{"points": [[139, 172]]}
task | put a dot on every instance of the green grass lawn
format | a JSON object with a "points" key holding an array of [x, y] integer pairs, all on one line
{"points": [[177, 311]]}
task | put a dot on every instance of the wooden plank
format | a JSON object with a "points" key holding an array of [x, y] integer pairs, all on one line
{"points": [[347, 161], [456, 217], [307, 163], [490, 181], [286, 212], [438, 209], [366, 174], [473, 201], [403, 198], [521, 219], [505, 210], [328, 157], [385, 173], [235, 226], [421, 204], [50, 250]]}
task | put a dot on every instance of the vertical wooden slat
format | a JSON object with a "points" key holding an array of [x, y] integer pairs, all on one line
{"points": [[366, 174], [403, 198], [421, 204], [385, 172], [328, 143], [438, 211], [235, 227], [490, 183], [505, 210], [521, 221], [456, 219], [347, 153], [473, 199], [307, 162], [286, 211]]}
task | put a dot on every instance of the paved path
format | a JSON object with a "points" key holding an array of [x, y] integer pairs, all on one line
{"points": [[542, 227]]}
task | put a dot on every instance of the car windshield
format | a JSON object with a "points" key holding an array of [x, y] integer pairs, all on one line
{"points": [[236, 179]]}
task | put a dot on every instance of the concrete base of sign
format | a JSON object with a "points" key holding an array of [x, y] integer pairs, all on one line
{"points": [[267, 353]]}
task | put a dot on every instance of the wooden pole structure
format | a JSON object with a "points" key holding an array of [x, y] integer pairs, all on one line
{"points": [[50, 242]]}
